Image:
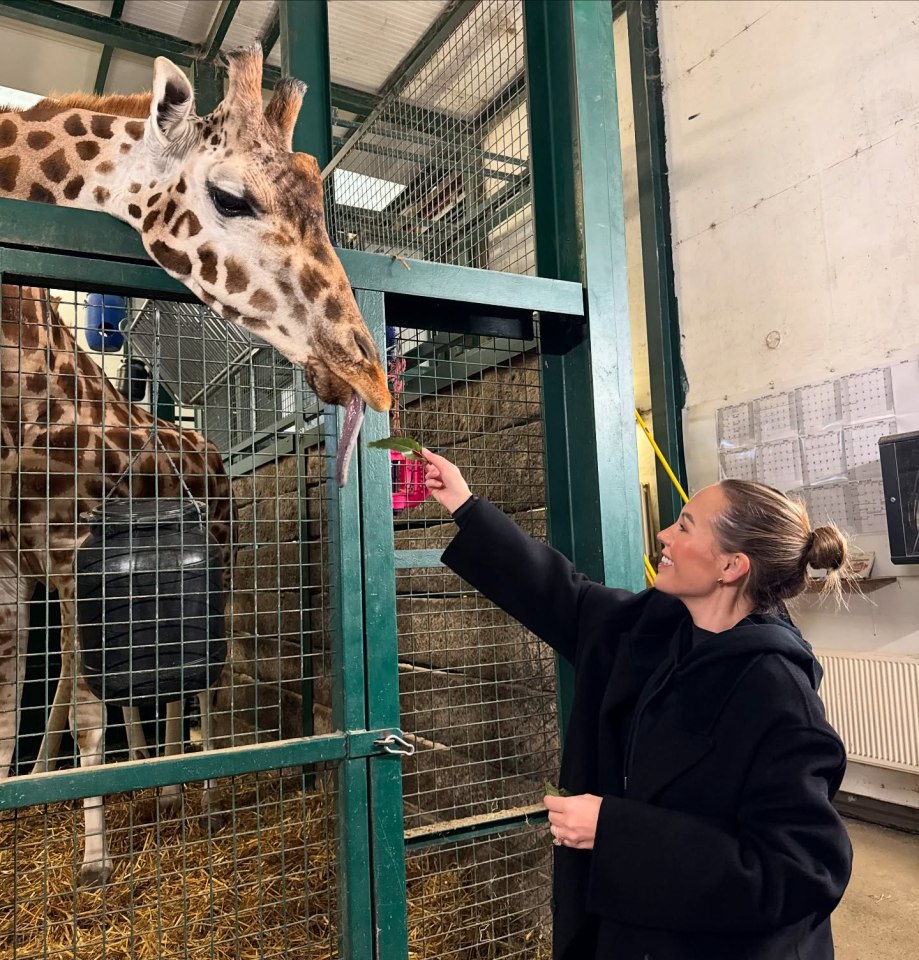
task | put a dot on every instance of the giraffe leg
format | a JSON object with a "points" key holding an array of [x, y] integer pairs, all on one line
{"points": [[213, 815], [49, 752], [87, 721], [170, 799], [137, 742], [15, 591]]}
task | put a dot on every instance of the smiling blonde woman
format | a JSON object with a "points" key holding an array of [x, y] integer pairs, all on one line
{"points": [[699, 759]]}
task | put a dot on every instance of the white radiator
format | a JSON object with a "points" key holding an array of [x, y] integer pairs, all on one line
{"points": [[872, 700]]}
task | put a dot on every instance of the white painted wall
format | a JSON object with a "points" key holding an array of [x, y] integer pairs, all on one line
{"points": [[793, 148]]}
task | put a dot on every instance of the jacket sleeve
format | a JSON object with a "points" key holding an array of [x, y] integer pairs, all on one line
{"points": [[786, 858], [535, 584]]}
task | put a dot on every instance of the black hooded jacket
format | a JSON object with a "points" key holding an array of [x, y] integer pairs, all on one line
{"points": [[716, 839]]}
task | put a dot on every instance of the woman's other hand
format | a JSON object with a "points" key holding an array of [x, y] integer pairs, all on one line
{"points": [[445, 481], [573, 820]]}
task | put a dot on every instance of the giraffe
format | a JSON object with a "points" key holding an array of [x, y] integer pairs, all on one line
{"points": [[224, 205], [66, 437], [221, 203]]}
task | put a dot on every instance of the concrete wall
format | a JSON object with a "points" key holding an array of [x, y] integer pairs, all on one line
{"points": [[793, 147]]}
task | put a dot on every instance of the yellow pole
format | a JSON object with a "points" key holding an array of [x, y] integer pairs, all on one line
{"points": [[649, 571], [660, 456]]}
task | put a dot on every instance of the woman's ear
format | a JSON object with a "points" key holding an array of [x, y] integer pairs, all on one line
{"points": [[735, 567]]}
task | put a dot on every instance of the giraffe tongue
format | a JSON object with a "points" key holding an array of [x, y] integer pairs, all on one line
{"points": [[354, 417]]}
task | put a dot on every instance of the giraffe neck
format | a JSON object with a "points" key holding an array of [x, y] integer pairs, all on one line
{"points": [[76, 158]]}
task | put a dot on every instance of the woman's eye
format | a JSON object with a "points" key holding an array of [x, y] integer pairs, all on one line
{"points": [[230, 205], [681, 527]]}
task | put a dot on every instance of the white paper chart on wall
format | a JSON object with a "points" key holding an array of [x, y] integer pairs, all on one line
{"points": [[820, 441]]}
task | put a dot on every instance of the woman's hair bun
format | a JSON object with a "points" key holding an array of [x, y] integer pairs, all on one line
{"points": [[827, 550]]}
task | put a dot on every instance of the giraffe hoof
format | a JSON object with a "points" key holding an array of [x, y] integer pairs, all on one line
{"points": [[96, 874]]}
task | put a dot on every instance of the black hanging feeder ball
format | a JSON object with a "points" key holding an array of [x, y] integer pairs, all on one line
{"points": [[150, 602]]}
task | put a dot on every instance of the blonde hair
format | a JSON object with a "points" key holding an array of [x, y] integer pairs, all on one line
{"points": [[774, 531]]}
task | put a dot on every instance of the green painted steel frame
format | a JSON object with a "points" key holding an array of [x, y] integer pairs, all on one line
{"points": [[594, 510], [664, 361]]}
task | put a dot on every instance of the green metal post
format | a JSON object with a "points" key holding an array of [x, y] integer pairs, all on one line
{"points": [[667, 392], [382, 654], [208, 80], [593, 495], [305, 55], [106, 57]]}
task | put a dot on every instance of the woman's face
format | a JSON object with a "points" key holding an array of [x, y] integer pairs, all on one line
{"points": [[692, 562]]}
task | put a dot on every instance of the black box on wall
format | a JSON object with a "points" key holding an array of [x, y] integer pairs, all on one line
{"points": [[900, 474]]}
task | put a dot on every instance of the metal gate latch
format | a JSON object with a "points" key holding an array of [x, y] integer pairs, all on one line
{"points": [[396, 745]]}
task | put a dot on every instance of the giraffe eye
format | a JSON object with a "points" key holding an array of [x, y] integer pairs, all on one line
{"points": [[230, 205]]}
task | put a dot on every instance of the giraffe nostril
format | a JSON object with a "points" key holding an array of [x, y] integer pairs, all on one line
{"points": [[366, 350]]}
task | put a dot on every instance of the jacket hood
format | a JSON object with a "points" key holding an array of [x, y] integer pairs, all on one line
{"points": [[757, 634]]}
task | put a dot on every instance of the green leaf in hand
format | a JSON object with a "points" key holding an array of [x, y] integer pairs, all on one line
{"points": [[553, 791], [405, 445]]}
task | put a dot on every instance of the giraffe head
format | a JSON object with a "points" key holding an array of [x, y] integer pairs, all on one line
{"points": [[229, 209]]}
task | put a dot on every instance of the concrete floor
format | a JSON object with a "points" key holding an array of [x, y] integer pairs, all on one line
{"points": [[878, 918]]}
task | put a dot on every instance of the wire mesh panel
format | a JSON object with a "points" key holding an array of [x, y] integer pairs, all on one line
{"points": [[449, 886], [477, 691], [249, 873], [439, 171], [115, 443]]}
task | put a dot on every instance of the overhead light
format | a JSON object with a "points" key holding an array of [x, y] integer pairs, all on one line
{"points": [[359, 190], [18, 99]]}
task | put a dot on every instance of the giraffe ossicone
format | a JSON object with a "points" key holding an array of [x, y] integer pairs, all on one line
{"points": [[222, 203]]}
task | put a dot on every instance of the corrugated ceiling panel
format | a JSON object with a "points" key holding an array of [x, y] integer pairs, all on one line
{"points": [[179, 18], [249, 24], [102, 7], [368, 39]]}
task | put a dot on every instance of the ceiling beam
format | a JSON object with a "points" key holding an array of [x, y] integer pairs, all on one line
{"points": [[106, 58], [222, 20], [272, 34]]}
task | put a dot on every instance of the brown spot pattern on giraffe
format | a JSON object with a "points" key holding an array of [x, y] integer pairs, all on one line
{"points": [[150, 219], [153, 199], [237, 276], [55, 166], [263, 300], [312, 283], [39, 139], [169, 211], [101, 194], [134, 129], [105, 167], [73, 187], [9, 173], [173, 260], [101, 126], [134, 210], [41, 194], [125, 148], [180, 186], [87, 149], [134, 188], [333, 309], [41, 112], [8, 133], [191, 220], [74, 125], [208, 259]]}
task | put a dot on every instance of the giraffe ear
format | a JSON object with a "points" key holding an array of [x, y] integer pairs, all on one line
{"points": [[284, 108], [173, 102]]}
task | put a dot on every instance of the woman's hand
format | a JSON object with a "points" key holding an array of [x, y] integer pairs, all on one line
{"points": [[573, 820], [445, 481]]}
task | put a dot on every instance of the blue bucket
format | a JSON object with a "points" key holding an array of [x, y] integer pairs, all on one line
{"points": [[105, 313]]}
